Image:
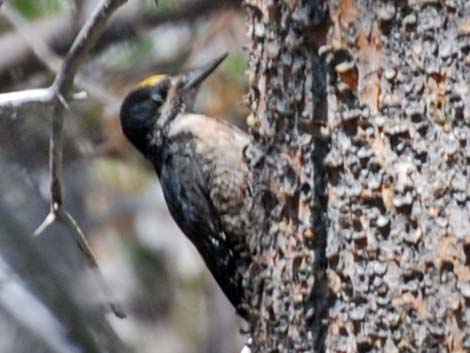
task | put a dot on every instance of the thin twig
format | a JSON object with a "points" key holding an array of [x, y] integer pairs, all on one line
{"points": [[85, 328], [49, 220], [83, 43], [17, 99], [35, 42], [61, 87], [57, 32], [27, 310], [84, 247], [57, 95], [51, 60]]}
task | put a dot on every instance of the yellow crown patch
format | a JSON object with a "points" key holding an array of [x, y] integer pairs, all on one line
{"points": [[151, 81]]}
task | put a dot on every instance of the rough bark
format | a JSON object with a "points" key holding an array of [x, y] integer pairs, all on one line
{"points": [[361, 162], [288, 82]]}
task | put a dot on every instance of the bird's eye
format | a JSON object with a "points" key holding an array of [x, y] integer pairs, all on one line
{"points": [[159, 94], [157, 97]]}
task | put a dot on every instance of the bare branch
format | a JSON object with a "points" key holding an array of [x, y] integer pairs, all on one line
{"points": [[27, 310], [57, 94], [49, 220], [61, 87], [86, 328], [19, 55], [17, 99], [56, 32], [50, 59], [84, 247], [82, 44], [35, 42]]}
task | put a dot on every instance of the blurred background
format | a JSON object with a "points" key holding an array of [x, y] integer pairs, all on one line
{"points": [[172, 302]]}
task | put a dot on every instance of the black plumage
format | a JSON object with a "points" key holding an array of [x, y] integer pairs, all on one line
{"points": [[201, 169]]}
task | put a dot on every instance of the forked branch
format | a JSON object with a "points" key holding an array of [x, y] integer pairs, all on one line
{"points": [[57, 96]]}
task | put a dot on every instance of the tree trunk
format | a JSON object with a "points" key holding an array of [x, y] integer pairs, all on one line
{"points": [[361, 169]]}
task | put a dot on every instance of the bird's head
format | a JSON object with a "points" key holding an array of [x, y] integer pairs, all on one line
{"points": [[149, 108]]}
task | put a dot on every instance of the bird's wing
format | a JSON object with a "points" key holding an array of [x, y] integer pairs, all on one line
{"points": [[184, 183], [218, 151]]}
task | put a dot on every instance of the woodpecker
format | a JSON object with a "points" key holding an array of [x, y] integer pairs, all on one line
{"points": [[199, 162]]}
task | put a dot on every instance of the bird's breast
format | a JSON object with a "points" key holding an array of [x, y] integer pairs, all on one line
{"points": [[218, 148]]}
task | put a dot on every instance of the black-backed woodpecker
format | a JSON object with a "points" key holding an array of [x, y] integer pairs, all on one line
{"points": [[199, 162]]}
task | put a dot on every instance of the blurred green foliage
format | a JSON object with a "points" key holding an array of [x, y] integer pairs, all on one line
{"points": [[158, 5], [130, 54], [146, 259], [118, 174], [235, 66], [37, 8]]}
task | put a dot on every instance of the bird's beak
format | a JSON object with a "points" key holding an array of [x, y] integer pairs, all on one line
{"points": [[194, 77]]}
